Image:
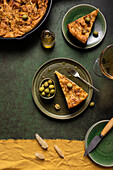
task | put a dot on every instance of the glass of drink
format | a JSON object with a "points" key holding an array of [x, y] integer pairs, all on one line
{"points": [[104, 64], [47, 38]]}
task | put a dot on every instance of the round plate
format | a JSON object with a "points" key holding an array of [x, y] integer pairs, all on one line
{"points": [[103, 153], [47, 71], [38, 25], [99, 25]]}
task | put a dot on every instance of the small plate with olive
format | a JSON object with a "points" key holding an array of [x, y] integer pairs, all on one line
{"points": [[47, 88], [97, 33]]}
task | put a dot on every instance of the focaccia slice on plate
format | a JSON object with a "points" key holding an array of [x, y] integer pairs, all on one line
{"points": [[81, 28], [72, 92]]}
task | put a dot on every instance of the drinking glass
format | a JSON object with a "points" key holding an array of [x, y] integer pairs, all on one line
{"points": [[104, 64]]}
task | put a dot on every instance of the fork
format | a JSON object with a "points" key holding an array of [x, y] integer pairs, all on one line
{"points": [[76, 74]]}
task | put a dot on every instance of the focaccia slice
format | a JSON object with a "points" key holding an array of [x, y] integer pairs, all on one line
{"points": [[81, 28], [73, 95]]}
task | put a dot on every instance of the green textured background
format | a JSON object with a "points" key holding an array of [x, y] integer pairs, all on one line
{"points": [[19, 60]]}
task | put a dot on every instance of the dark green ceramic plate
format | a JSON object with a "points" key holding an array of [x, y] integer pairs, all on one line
{"points": [[47, 71], [103, 153], [99, 25]]}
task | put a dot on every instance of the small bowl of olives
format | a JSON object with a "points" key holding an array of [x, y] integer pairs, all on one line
{"points": [[47, 88]]}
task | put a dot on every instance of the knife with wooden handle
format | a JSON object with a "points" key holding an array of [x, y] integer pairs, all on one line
{"points": [[107, 127], [96, 140]]}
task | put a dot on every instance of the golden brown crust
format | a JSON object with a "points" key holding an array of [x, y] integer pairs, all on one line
{"points": [[73, 96], [12, 23], [80, 29]]}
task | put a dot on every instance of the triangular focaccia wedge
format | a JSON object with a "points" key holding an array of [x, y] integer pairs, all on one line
{"points": [[81, 29], [73, 95]]}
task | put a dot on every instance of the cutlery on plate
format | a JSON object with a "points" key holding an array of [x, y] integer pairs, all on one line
{"points": [[95, 141], [76, 74]]}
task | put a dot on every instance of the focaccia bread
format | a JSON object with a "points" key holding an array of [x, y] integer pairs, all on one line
{"points": [[72, 92], [81, 28], [18, 17]]}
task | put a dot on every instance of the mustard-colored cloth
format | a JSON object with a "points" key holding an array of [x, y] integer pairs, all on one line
{"points": [[20, 155]]}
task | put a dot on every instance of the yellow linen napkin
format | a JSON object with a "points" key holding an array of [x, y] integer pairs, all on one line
{"points": [[20, 155]]}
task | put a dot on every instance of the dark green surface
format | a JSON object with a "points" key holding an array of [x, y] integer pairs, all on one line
{"points": [[19, 60], [103, 153]]}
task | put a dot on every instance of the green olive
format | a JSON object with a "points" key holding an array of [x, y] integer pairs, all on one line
{"points": [[50, 81], [87, 20], [46, 90], [48, 95], [25, 17], [46, 84], [52, 91], [43, 93], [92, 104], [69, 85], [51, 86], [95, 33], [41, 89], [57, 106], [83, 31]]}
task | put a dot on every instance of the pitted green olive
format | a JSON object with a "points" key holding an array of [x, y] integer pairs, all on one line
{"points": [[83, 31], [52, 91], [46, 84], [69, 85], [51, 86], [48, 95], [43, 93], [46, 90], [95, 33], [87, 20], [50, 81], [41, 89], [92, 104], [25, 17]]}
